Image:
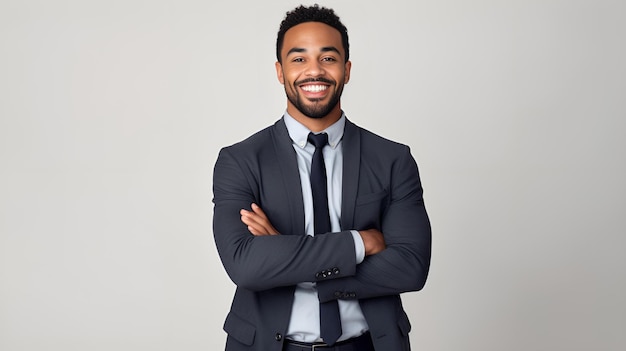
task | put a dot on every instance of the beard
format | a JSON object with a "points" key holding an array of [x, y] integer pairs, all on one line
{"points": [[317, 109]]}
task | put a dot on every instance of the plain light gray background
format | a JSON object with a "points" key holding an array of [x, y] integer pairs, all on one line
{"points": [[112, 114]]}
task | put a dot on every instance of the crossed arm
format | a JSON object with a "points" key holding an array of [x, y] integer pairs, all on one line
{"points": [[257, 258], [259, 225]]}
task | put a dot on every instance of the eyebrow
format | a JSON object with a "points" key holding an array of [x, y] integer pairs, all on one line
{"points": [[324, 49]]}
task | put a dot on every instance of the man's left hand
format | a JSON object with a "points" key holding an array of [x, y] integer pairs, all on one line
{"points": [[257, 221]]}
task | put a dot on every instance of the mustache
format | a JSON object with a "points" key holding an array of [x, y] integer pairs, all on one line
{"points": [[314, 80]]}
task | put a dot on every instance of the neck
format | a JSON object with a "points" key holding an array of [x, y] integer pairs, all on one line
{"points": [[315, 124]]}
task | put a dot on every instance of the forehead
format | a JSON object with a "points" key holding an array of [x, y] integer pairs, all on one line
{"points": [[311, 35]]}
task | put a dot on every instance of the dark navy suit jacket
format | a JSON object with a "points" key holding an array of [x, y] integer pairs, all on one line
{"points": [[381, 189]]}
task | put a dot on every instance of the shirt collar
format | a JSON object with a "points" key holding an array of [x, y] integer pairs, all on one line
{"points": [[299, 133]]}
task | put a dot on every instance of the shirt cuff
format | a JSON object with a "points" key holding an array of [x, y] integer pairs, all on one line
{"points": [[359, 247]]}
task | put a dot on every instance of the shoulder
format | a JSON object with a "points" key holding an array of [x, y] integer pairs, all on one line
{"points": [[372, 143], [258, 141]]}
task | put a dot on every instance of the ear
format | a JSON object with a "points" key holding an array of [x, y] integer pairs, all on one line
{"points": [[346, 74], [279, 72]]}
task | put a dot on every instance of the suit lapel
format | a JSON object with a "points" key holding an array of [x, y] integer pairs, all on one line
{"points": [[351, 165], [286, 155]]}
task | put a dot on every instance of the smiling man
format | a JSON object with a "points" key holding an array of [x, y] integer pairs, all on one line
{"points": [[313, 71], [321, 224]]}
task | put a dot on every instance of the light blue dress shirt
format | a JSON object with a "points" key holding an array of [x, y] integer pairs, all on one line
{"points": [[304, 324]]}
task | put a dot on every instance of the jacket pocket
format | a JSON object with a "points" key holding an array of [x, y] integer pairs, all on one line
{"points": [[240, 329], [371, 197]]}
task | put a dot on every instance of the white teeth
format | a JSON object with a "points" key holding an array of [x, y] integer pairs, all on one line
{"points": [[314, 88]]}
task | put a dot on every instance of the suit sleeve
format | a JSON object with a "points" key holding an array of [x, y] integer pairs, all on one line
{"points": [[403, 266], [265, 262]]}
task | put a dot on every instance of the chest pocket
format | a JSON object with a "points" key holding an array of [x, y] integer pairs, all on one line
{"points": [[369, 210]]}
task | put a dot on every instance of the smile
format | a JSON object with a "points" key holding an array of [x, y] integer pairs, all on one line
{"points": [[314, 88]]}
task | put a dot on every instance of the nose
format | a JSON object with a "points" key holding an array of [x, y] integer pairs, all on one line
{"points": [[314, 69]]}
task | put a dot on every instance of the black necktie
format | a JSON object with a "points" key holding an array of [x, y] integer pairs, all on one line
{"points": [[330, 323]]}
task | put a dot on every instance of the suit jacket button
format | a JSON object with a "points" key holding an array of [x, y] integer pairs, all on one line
{"points": [[335, 271], [338, 294], [318, 275], [278, 336]]}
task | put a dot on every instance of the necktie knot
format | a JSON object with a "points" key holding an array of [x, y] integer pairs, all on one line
{"points": [[318, 140]]}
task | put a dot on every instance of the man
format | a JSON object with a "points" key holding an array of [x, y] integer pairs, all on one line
{"points": [[320, 240]]}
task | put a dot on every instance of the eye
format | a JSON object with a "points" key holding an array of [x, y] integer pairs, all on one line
{"points": [[329, 59], [298, 59]]}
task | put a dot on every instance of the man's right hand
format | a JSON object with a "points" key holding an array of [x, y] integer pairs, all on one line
{"points": [[373, 240]]}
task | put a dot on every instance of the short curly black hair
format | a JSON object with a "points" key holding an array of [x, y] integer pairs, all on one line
{"points": [[314, 13]]}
